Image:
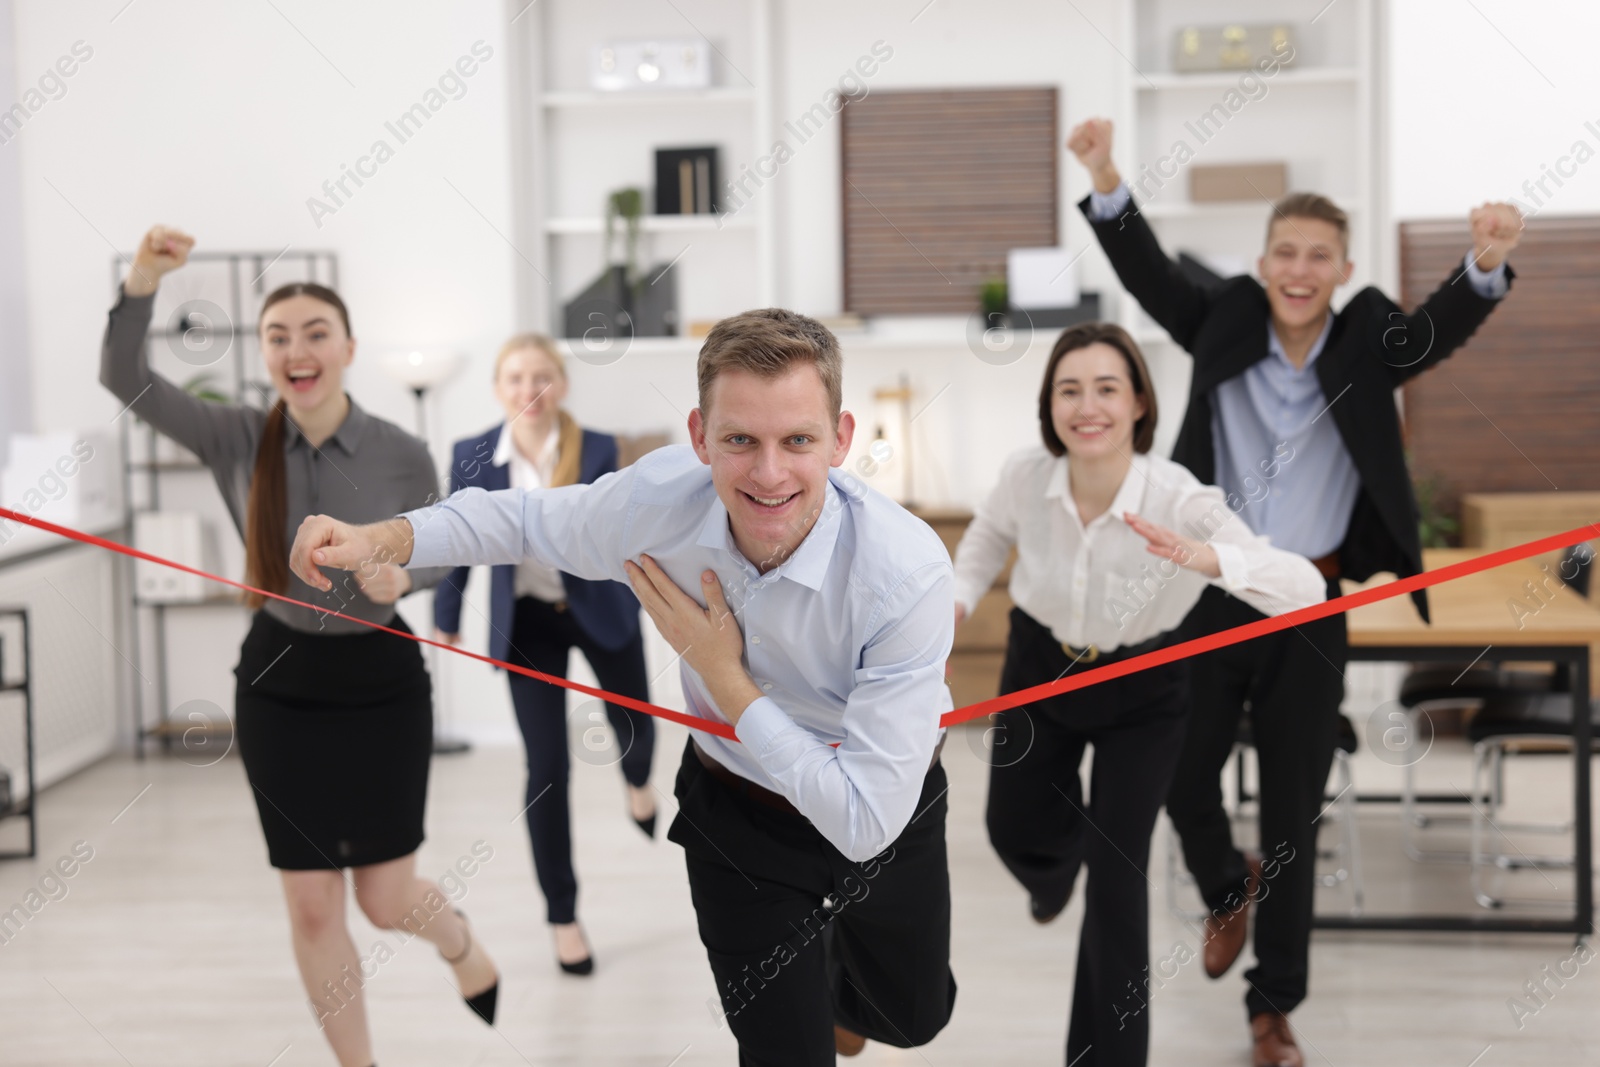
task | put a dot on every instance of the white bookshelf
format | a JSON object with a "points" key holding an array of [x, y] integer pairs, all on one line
{"points": [[586, 144], [1320, 116]]}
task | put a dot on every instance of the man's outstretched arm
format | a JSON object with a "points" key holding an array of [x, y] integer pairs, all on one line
{"points": [[578, 529]]}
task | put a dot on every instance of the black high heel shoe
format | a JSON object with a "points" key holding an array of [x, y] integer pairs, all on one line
{"points": [[582, 967], [647, 825], [483, 1004]]}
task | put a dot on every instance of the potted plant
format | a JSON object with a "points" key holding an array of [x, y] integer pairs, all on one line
{"points": [[627, 204], [1435, 528], [995, 300]]}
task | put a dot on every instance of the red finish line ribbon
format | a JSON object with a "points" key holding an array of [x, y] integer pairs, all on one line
{"points": [[1170, 654], [721, 729]]}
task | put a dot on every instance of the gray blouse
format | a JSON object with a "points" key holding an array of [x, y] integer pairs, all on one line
{"points": [[369, 470]]}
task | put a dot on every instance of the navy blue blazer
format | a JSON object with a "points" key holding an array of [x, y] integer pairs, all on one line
{"points": [[607, 611]]}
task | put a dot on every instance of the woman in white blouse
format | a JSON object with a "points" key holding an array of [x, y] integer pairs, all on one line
{"points": [[1114, 546]]}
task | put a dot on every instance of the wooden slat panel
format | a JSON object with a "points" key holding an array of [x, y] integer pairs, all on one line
{"points": [[1515, 410], [938, 187]]}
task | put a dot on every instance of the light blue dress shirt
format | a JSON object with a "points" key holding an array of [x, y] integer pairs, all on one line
{"points": [[847, 638], [1274, 409]]}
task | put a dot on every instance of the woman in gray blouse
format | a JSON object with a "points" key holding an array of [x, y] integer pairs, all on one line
{"points": [[334, 720]]}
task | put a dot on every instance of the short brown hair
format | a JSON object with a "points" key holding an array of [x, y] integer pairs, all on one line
{"points": [[767, 343], [1312, 206], [1082, 336]]}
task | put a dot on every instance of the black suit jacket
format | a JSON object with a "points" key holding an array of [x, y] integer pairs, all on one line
{"points": [[1372, 348]]}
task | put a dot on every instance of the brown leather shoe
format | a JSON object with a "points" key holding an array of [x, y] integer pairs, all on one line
{"points": [[1274, 1041], [847, 1042], [1225, 935]]}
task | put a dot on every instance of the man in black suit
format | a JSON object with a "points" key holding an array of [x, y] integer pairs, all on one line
{"points": [[1292, 412]]}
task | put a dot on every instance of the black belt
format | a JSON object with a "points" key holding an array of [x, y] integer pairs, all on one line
{"points": [[1092, 655], [760, 794]]}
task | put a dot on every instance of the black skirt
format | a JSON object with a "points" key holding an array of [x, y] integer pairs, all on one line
{"points": [[336, 734]]}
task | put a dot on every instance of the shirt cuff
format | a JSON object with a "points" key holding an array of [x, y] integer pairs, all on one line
{"points": [[1489, 284], [761, 725], [1235, 569], [1103, 207], [968, 597], [428, 539]]}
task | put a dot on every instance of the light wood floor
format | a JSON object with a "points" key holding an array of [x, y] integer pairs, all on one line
{"points": [[170, 945]]}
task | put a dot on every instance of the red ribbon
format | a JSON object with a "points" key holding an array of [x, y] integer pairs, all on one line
{"points": [[1170, 654]]}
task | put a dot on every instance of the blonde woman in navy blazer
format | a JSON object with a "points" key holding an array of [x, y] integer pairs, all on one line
{"points": [[537, 616]]}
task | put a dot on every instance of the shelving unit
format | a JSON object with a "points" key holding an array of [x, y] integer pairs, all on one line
{"points": [[26, 807], [236, 282], [587, 144], [1320, 116]]}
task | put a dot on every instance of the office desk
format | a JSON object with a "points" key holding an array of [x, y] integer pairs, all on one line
{"points": [[1472, 622]]}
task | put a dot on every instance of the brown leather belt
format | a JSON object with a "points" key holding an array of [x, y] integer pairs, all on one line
{"points": [[761, 795], [1327, 566]]}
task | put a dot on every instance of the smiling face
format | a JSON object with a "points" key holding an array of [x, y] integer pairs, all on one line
{"points": [[1093, 405], [769, 442], [1303, 264], [306, 348], [530, 384]]}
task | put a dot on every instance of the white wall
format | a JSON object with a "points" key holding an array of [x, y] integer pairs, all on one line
{"points": [[16, 407], [1483, 100]]}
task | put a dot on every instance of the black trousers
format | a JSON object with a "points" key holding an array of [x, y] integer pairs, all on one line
{"points": [[799, 937], [542, 637], [1044, 829], [1293, 683]]}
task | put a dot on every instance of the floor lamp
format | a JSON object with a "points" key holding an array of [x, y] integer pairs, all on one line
{"points": [[420, 370]]}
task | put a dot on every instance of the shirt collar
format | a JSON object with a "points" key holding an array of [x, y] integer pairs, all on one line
{"points": [[506, 446], [347, 436], [809, 563], [1130, 495], [1275, 346]]}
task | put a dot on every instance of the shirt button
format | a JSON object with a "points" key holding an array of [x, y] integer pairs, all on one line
{"points": [[766, 685], [755, 640]]}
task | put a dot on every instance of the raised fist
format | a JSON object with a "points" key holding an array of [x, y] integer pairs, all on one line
{"points": [[161, 250], [1090, 141], [1496, 229]]}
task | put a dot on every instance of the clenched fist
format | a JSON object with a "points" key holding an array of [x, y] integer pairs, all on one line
{"points": [[160, 251], [1496, 229], [322, 541], [1090, 141]]}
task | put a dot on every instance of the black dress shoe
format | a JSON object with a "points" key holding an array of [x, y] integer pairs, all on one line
{"points": [[647, 825], [1043, 912]]}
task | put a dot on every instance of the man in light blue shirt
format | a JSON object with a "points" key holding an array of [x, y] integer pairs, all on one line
{"points": [[812, 614]]}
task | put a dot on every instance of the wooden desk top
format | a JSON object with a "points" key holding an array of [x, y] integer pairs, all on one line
{"points": [[1475, 611]]}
